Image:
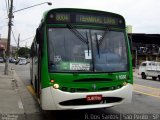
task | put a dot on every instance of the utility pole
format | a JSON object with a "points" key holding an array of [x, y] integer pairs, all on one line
{"points": [[18, 42], [18, 45], [10, 16]]}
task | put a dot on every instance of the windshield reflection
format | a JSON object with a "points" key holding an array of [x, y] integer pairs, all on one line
{"points": [[102, 51]]}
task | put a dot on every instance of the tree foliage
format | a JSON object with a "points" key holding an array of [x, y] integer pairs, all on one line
{"points": [[24, 52]]}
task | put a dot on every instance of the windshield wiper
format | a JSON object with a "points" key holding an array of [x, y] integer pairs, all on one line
{"points": [[77, 33], [99, 42], [97, 45], [88, 42], [103, 36]]}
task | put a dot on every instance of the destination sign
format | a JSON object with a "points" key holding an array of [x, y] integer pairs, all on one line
{"points": [[96, 19], [62, 17], [86, 18]]}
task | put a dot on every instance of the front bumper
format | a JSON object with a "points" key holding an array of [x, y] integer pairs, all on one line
{"points": [[51, 98]]}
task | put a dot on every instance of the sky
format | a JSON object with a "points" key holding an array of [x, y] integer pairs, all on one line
{"points": [[142, 15]]}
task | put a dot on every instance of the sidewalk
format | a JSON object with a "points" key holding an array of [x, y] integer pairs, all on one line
{"points": [[11, 106], [16, 103]]}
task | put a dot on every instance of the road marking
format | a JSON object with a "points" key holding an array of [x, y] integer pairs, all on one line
{"points": [[147, 94], [31, 90], [20, 105], [148, 87], [147, 90]]}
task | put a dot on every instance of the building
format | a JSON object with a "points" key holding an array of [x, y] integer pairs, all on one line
{"points": [[145, 47], [3, 46]]}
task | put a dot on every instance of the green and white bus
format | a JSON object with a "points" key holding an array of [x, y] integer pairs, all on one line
{"points": [[81, 59]]}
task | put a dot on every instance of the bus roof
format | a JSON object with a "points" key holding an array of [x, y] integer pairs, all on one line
{"points": [[77, 10]]}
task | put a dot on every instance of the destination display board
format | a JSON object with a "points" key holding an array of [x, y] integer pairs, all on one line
{"points": [[85, 18]]}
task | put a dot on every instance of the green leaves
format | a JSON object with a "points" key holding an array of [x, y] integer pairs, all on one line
{"points": [[24, 52]]}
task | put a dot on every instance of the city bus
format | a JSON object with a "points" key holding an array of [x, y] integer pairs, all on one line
{"points": [[81, 59]]}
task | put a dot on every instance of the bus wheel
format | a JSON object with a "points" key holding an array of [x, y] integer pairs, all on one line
{"points": [[154, 78], [159, 77], [143, 76]]}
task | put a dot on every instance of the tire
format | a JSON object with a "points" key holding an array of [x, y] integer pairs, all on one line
{"points": [[143, 76], [154, 78], [159, 77]]}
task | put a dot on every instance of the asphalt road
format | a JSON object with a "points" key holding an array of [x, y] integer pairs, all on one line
{"points": [[142, 107]]}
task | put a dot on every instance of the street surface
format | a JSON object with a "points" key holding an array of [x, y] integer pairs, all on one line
{"points": [[146, 101]]}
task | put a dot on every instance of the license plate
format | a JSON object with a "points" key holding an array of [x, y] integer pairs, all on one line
{"points": [[94, 97]]}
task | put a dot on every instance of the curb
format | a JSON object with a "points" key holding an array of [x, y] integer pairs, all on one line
{"points": [[30, 105]]}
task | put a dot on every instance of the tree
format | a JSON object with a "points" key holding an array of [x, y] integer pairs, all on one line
{"points": [[24, 52]]}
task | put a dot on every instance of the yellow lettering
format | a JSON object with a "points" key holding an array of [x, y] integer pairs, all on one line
{"points": [[110, 21], [90, 19], [62, 17]]}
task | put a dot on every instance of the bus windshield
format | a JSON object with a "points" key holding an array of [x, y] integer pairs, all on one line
{"points": [[94, 51]]}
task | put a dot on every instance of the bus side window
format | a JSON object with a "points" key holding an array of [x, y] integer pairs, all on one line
{"points": [[38, 35], [34, 49], [31, 53]]}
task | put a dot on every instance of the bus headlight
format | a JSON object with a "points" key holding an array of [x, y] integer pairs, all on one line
{"points": [[56, 86]]}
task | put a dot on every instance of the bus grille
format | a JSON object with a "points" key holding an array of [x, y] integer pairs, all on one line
{"points": [[83, 101], [93, 80], [110, 88], [73, 90]]}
